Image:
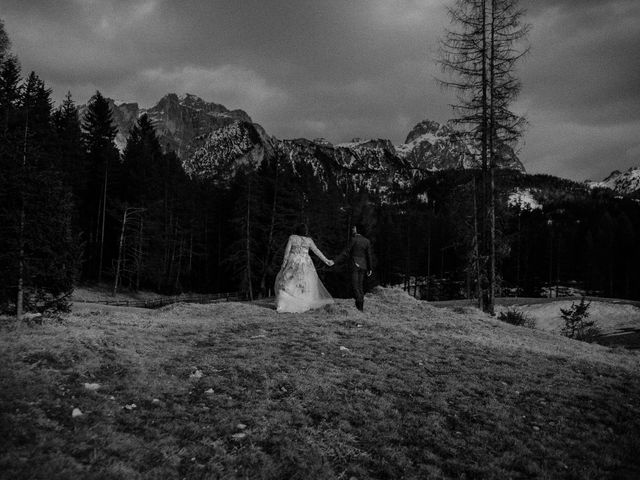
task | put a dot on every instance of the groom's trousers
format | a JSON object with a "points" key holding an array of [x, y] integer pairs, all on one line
{"points": [[357, 282]]}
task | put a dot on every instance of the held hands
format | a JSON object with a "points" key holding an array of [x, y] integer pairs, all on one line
{"points": [[369, 273], [331, 263]]}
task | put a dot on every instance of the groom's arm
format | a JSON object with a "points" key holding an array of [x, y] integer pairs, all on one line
{"points": [[345, 253], [368, 254]]}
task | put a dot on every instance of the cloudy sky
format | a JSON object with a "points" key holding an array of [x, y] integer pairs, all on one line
{"points": [[345, 68]]}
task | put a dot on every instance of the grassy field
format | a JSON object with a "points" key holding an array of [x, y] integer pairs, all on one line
{"points": [[231, 390]]}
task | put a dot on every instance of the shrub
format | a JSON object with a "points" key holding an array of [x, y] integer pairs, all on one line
{"points": [[516, 317], [576, 325]]}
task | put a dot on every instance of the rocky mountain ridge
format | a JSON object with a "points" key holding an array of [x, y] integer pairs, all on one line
{"points": [[623, 183], [178, 119], [213, 141]]}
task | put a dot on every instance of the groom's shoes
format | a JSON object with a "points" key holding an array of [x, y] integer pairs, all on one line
{"points": [[360, 306]]}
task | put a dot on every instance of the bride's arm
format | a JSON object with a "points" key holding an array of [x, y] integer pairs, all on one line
{"points": [[317, 251], [287, 249]]}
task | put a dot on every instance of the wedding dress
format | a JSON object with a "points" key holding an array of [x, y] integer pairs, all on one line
{"points": [[297, 285]]}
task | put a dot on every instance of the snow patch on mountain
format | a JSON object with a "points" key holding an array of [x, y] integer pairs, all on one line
{"points": [[219, 154], [523, 200], [624, 183]]}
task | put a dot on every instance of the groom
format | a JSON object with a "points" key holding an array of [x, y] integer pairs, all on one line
{"points": [[359, 254]]}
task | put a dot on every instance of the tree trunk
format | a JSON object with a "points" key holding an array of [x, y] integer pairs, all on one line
{"points": [[519, 249], [492, 165], [20, 294], [219, 256], [408, 259], [104, 211], [139, 254], [207, 266], [167, 228], [476, 248], [120, 249], [429, 233], [485, 301], [492, 245], [550, 261], [248, 245], [174, 241], [274, 204], [190, 252], [20, 297], [176, 284]]}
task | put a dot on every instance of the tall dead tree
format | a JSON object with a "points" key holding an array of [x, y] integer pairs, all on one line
{"points": [[480, 54], [264, 290], [248, 241], [128, 213]]}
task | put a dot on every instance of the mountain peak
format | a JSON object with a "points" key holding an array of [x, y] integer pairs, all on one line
{"points": [[434, 146], [612, 176], [627, 183], [193, 101], [427, 128]]}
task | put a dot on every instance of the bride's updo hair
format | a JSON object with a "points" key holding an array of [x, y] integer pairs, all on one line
{"points": [[301, 229]]}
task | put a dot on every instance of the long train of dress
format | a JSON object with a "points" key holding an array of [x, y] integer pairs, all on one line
{"points": [[298, 287]]}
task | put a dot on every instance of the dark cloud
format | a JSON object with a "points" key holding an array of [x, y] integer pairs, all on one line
{"points": [[584, 61], [582, 87], [341, 69]]}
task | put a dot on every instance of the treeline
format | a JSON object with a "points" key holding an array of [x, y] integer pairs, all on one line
{"points": [[579, 240], [75, 208]]}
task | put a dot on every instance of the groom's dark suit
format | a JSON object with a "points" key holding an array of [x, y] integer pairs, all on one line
{"points": [[359, 255]]}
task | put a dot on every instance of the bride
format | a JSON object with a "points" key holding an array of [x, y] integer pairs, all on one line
{"points": [[297, 285]]}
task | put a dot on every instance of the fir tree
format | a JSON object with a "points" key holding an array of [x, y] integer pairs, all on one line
{"points": [[10, 90], [142, 162], [99, 135], [70, 152], [243, 254], [39, 251]]}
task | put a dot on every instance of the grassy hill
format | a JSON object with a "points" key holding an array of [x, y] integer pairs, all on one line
{"points": [[234, 390]]}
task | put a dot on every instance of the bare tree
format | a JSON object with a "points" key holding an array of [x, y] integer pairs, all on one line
{"points": [[127, 215], [480, 55]]}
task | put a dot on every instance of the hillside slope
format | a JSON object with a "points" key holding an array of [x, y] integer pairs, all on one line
{"points": [[234, 390]]}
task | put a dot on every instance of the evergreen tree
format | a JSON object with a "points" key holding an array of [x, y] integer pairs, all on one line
{"points": [[99, 135], [5, 43], [244, 253], [10, 170], [155, 182], [39, 251], [36, 107], [142, 162], [70, 152], [10, 90]]}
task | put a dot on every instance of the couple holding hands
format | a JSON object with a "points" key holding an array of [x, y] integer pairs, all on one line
{"points": [[298, 287]]}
